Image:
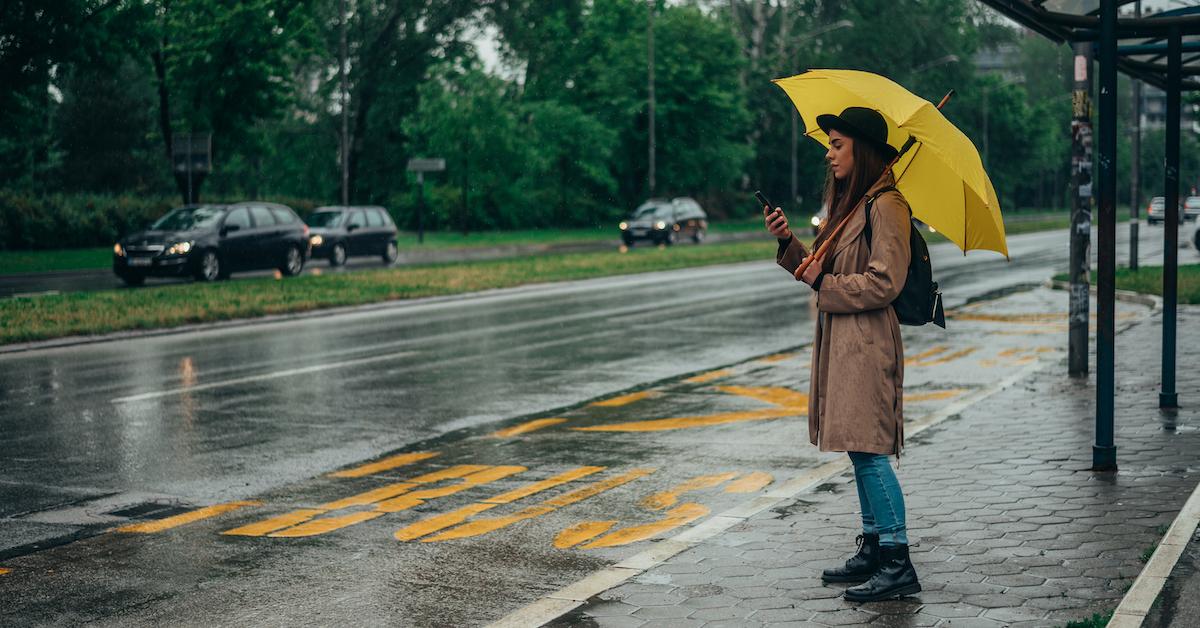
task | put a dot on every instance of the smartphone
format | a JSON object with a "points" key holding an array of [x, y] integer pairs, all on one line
{"points": [[762, 200]]}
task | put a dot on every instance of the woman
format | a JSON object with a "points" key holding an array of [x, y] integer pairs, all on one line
{"points": [[857, 380]]}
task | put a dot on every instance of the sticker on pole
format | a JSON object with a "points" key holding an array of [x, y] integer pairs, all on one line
{"points": [[1081, 68]]}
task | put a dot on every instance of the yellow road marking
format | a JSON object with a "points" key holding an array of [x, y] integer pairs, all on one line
{"points": [[778, 357], [272, 526], [708, 377], [591, 490], [777, 395], [925, 354], [411, 500], [526, 427], [934, 395], [1011, 318], [267, 526], [187, 517], [750, 483], [440, 522], [678, 516], [658, 501], [327, 524], [942, 359], [483, 526], [371, 496], [580, 532], [384, 465], [623, 400], [4, 571], [537, 487], [443, 521], [694, 421]]}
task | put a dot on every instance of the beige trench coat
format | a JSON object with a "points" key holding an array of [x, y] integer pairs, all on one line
{"points": [[857, 382]]}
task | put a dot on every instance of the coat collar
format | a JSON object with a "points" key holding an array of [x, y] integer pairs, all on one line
{"points": [[858, 217]]}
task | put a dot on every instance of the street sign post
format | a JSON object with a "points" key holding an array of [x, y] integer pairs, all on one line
{"points": [[191, 161], [421, 166]]}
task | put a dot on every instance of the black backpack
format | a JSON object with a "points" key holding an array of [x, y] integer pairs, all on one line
{"points": [[919, 302]]}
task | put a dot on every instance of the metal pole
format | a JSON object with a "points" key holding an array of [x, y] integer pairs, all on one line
{"points": [[1104, 452], [650, 80], [1081, 212], [1135, 196], [191, 194], [345, 98], [1168, 398], [420, 207]]}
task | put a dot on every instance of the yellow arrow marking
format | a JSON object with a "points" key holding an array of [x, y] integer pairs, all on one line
{"points": [[623, 400], [187, 517], [750, 483], [526, 427], [484, 526], [658, 501], [443, 521], [678, 516], [384, 465], [708, 377], [580, 532]]}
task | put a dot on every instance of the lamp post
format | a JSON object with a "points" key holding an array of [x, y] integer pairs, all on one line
{"points": [[935, 63], [795, 116]]}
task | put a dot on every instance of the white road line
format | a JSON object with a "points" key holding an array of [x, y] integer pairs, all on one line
{"points": [[264, 376], [566, 599]]}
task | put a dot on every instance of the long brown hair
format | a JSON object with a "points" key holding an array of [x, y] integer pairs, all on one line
{"points": [[842, 196]]}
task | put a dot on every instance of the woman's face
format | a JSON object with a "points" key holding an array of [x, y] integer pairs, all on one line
{"points": [[840, 154]]}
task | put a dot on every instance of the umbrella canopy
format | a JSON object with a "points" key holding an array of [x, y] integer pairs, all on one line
{"points": [[941, 175]]}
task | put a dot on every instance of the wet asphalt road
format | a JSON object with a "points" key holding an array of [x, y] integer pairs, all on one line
{"points": [[257, 412]]}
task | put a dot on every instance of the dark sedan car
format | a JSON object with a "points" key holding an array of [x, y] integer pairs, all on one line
{"points": [[665, 222], [341, 232], [209, 242]]}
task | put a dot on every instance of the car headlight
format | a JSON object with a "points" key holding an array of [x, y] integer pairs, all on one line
{"points": [[316, 240], [816, 221], [622, 225], [118, 250], [179, 248], [660, 225]]}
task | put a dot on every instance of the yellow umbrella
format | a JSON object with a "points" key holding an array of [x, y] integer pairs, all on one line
{"points": [[941, 174]]}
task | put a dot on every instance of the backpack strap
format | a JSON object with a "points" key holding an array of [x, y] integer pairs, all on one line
{"points": [[867, 208]]}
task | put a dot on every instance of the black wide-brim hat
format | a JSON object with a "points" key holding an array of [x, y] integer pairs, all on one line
{"points": [[860, 123]]}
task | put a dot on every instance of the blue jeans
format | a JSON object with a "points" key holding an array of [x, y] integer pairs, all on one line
{"points": [[880, 498]]}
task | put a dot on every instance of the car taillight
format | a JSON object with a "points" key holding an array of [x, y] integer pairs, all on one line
{"points": [[305, 231]]}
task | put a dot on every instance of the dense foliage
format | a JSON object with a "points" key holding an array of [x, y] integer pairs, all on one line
{"points": [[94, 91]]}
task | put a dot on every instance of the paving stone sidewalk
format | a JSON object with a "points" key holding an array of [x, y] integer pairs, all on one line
{"points": [[1009, 525]]}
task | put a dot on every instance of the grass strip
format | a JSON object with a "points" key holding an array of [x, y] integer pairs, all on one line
{"points": [[1149, 280], [88, 313]]}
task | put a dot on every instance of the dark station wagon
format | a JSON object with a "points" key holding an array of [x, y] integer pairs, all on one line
{"points": [[341, 232], [209, 242], [665, 222]]}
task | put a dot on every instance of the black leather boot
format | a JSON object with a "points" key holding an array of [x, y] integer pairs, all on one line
{"points": [[896, 577], [859, 567]]}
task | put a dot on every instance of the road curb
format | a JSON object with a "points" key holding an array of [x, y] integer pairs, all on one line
{"points": [[1154, 302], [556, 604], [1134, 607]]}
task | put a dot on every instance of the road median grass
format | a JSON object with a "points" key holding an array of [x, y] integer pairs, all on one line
{"points": [[1149, 280], [89, 313]]}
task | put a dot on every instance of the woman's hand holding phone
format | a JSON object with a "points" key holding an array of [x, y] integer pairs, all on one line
{"points": [[775, 220]]}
